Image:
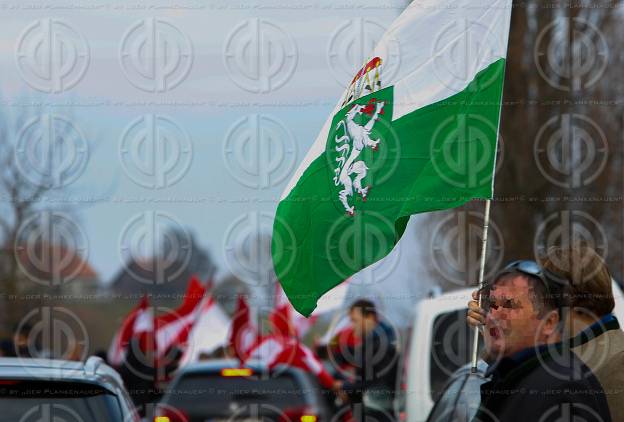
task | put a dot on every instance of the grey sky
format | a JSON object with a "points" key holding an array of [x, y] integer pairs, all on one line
{"points": [[208, 198]]}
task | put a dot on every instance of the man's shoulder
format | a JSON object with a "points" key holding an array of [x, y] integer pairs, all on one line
{"points": [[553, 366]]}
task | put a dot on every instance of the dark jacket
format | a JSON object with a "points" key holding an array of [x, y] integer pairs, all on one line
{"points": [[601, 347], [542, 384], [376, 360]]}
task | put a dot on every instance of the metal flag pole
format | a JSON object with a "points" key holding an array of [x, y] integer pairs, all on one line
{"points": [[486, 224]]}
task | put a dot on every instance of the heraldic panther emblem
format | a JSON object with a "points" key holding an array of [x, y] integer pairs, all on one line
{"points": [[355, 137]]}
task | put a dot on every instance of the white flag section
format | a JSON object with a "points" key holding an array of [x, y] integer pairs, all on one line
{"points": [[145, 321], [210, 331], [333, 300]]}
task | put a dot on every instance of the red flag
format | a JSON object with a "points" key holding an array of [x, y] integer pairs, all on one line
{"points": [[173, 328], [285, 319], [243, 334], [275, 350], [139, 320]]}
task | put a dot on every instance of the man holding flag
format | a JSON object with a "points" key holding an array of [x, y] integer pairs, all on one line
{"points": [[409, 134]]}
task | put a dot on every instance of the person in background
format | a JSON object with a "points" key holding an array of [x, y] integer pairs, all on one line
{"points": [[375, 362]]}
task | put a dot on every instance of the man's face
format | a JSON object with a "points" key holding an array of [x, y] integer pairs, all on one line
{"points": [[361, 324], [512, 323]]}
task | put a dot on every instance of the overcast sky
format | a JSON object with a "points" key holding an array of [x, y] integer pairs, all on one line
{"points": [[193, 66]]}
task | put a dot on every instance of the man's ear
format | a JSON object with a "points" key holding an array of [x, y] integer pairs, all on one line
{"points": [[551, 323]]}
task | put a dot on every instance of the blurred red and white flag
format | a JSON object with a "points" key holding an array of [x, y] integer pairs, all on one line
{"points": [[243, 336], [284, 316], [173, 328], [210, 331], [139, 321], [275, 350]]}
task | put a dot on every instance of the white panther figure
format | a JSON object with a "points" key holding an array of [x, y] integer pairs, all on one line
{"points": [[359, 138]]}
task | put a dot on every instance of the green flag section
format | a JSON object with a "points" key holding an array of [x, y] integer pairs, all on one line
{"points": [[400, 142]]}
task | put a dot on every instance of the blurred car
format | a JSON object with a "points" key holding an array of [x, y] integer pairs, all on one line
{"points": [[461, 396], [47, 389], [221, 390]]}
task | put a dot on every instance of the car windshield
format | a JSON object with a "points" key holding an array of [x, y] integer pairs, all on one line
{"points": [[22, 400], [211, 394]]}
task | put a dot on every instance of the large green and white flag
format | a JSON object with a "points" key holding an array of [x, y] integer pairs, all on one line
{"points": [[415, 131]]}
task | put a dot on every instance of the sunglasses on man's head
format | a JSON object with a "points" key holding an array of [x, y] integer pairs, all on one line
{"points": [[551, 282]]}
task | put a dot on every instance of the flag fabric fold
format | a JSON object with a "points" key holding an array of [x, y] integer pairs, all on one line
{"points": [[173, 327]]}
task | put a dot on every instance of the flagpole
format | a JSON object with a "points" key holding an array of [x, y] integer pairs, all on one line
{"points": [[486, 224]]}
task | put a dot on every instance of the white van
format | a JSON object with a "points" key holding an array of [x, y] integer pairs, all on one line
{"points": [[440, 344]]}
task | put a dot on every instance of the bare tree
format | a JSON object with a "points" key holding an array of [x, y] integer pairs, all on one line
{"points": [[23, 191]]}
